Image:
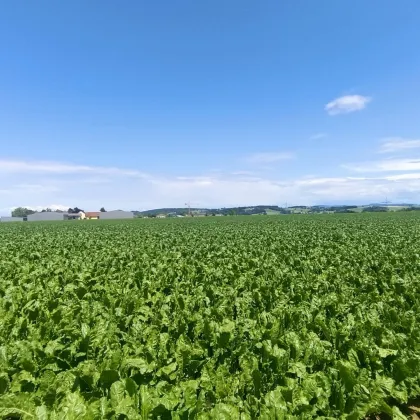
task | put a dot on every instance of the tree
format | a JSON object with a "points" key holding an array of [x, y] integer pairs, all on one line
{"points": [[21, 212], [75, 210], [102, 210], [375, 209]]}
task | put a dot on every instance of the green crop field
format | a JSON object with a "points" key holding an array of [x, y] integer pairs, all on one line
{"points": [[282, 317]]}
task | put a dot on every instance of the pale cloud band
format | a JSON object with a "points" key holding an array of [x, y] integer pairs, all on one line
{"points": [[70, 185], [318, 136], [17, 166], [270, 157], [347, 104], [398, 144], [386, 165]]}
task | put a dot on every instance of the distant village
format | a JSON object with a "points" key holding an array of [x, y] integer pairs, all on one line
{"points": [[22, 214]]}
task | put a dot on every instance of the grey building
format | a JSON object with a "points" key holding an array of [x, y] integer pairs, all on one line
{"points": [[46, 216], [116, 214], [11, 219], [73, 216]]}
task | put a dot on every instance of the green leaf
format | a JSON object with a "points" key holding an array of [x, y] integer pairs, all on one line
{"points": [[73, 407], [397, 415], [4, 383], [130, 386], [140, 364], [20, 406], [108, 377], [386, 352], [117, 393], [274, 404], [298, 368], [347, 374], [146, 402], [167, 370], [41, 413]]}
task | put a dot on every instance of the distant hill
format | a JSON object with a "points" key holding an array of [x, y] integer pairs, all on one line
{"points": [[182, 211], [269, 210]]}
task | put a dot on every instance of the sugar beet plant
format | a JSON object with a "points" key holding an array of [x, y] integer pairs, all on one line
{"points": [[288, 317]]}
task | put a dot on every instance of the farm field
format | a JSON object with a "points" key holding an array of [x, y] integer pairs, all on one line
{"points": [[281, 317]]}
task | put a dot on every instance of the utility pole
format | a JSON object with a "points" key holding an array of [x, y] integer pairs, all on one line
{"points": [[189, 204]]}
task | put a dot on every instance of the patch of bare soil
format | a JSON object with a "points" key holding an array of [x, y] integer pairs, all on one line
{"points": [[411, 410]]}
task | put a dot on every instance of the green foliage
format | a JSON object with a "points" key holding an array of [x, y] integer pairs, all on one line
{"points": [[289, 317], [21, 212], [371, 209]]}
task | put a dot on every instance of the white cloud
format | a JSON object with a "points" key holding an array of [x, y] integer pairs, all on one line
{"points": [[228, 192], [242, 173], [36, 188], [318, 136], [220, 189], [29, 189], [398, 144], [270, 157], [19, 166], [402, 177], [347, 104], [387, 165], [5, 211], [53, 207]]}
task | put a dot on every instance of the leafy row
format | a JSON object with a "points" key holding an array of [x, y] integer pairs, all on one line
{"points": [[283, 317]]}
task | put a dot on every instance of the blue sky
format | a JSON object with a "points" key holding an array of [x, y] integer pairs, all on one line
{"points": [[140, 104]]}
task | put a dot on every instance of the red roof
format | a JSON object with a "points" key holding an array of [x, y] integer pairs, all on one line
{"points": [[92, 213]]}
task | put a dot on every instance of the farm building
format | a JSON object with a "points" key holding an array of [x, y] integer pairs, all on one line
{"points": [[116, 214], [92, 215], [11, 219], [75, 216], [46, 215]]}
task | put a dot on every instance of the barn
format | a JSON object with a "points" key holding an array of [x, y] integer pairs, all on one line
{"points": [[92, 215], [116, 214], [46, 216]]}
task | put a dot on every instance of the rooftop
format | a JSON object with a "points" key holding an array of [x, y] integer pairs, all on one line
{"points": [[92, 213]]}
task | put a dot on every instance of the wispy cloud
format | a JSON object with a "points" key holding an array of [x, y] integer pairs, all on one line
{"points": [[221, 189], [53, 207], [270, 157], [347, 104], [398, 144], [29, 189], [318, 136], [403, 177], [300, 191], [386, 165], [19, 166], [242, 173]]}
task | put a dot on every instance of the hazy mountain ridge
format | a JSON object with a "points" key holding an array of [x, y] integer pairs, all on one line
{"points": [[270, 209]]}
